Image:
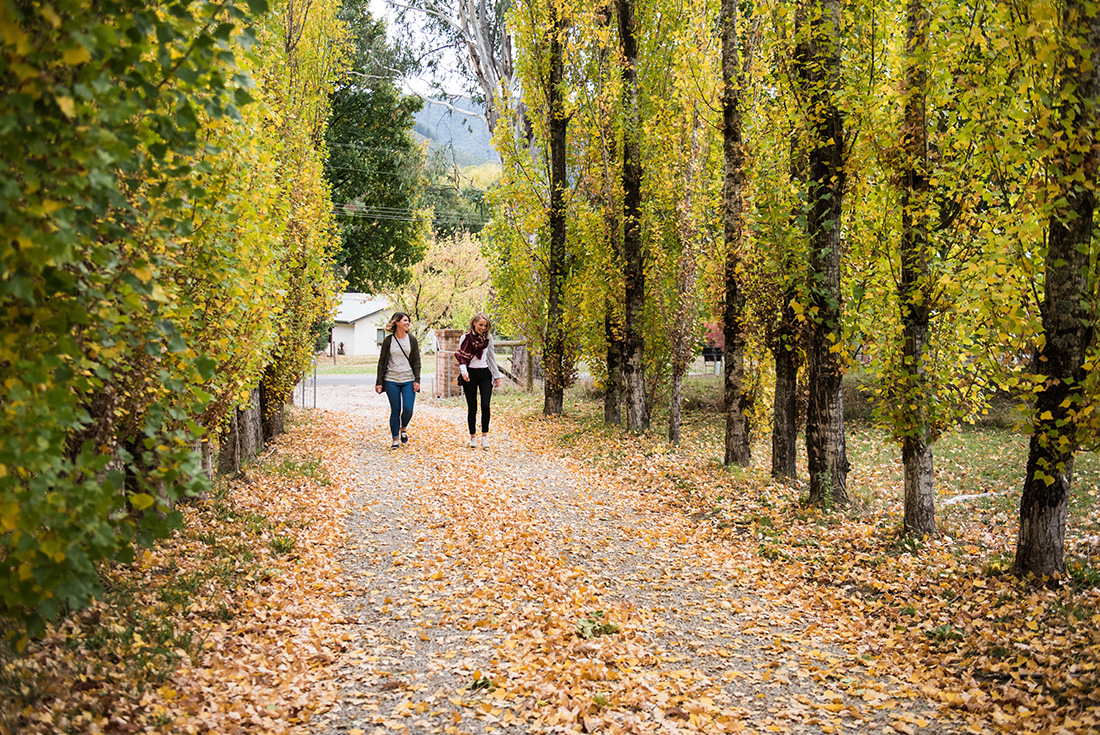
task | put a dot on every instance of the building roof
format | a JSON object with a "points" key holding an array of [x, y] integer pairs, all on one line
{"points": [[356, 306]]}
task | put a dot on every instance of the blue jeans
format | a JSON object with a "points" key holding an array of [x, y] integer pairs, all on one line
{"points": [[402, 397]]}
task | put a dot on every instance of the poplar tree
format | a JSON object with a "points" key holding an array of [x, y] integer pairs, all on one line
{"points": [[557, 125], [637, 409], [915, 300], [818, 67], [737, 449], [1067, 356]]}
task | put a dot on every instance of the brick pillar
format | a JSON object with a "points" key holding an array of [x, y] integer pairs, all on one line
{"points": [[446, 367]]}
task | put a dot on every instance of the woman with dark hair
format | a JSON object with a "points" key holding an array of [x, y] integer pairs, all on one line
{"points": [[399, 375], [479, 374]]}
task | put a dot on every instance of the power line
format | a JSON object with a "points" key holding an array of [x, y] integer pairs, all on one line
{"points": [[366, 171], [387, 150], [399, 176], [371, 148], [407, 215], [412, 217], [353, 207]]}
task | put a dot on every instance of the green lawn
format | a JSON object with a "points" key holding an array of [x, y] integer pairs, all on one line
{"points": [[364, 365], [986, 462]]}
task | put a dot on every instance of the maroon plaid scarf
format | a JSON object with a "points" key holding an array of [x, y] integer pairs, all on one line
{"points": [[472, 347]]}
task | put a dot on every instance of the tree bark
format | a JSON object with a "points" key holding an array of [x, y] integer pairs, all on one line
{"points": [[611, 206], [1068, 325], [914, 294], [554, 362], [784, 343], [733, 329], [229, 447], [675, 406], [785, 408], [272, 413], [206, 451], [818, 64], [637, 408], [613, 395]]}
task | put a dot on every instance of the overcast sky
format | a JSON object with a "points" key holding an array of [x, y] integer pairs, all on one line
{"points": [[417, 85]]}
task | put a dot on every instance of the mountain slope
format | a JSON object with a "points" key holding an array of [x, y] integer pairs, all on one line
{"points": [[467, 136]]}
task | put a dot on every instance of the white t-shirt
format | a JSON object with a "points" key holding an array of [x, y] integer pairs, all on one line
{"points": [[488, 358], [400, 369]]}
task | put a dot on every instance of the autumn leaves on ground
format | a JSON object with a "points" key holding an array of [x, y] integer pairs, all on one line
{"points": [[572, 579]]}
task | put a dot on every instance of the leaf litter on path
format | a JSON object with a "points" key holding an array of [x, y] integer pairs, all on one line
{"points": [[478, 574], [604, 582], [226, 627]]}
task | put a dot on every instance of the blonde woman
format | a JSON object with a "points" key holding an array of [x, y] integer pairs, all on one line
{"points": [[480, 374], [399, 375]]}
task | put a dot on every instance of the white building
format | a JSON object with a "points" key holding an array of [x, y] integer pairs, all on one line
{"points": [[360, 324]]}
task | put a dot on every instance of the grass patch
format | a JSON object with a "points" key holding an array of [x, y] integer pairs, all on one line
{"points": [[283, 544], [944, 596], [312, 469]]}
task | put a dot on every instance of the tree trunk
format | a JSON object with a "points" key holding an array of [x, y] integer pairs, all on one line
{"points": [[675, 405], [206, 450], [733, 399], [637, 409], [612, 211], [480, 26], [785, 429], [914, 294], [554, 362], [1068, 325], [785, 343], [818, 64], [613, 395], [916, 459], [229, 448], [682, 340], [272, 413]]}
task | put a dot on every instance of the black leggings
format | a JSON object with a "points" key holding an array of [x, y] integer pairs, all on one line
{"points": [[480, 379]]}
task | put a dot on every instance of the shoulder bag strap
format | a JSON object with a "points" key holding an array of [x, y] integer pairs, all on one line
{"points": [[398, 343]]}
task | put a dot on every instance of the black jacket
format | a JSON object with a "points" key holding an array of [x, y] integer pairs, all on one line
{"points": [[384, 358]]}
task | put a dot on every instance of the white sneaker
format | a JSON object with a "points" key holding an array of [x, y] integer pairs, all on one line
{"points": [[484, 441], [473, 442]]}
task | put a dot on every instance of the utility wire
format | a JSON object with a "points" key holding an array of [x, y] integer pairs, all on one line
{"points": [[454, 216], [409, 216], [351, 208], [370, 148]]}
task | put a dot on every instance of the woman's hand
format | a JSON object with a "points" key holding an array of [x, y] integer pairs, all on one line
{"points": [[496, 382], [416, 387], [377, 389], [466, 377]]}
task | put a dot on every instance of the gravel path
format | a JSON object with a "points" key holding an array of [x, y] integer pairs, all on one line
{"points": [[463, 568]]}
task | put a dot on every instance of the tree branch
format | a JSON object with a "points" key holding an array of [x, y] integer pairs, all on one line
{"points": [[449, 106]]}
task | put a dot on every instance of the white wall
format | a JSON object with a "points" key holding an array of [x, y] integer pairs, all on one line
{"points": [[361, 338], [344, 333]]}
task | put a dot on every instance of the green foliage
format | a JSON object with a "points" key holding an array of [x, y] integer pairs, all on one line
{"points": [[374, 166], [482, 683], [105, 164], [945, 633], [144, 284], [448, 286], [458, 203], [596, 624]]}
